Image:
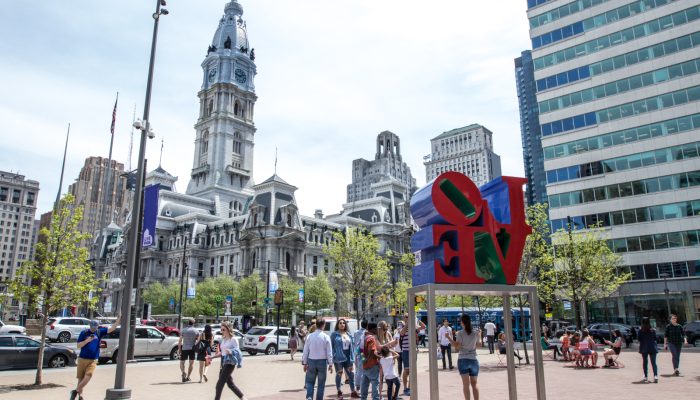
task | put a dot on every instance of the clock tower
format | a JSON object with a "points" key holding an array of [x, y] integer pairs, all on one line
{"points": [[223, 153]]}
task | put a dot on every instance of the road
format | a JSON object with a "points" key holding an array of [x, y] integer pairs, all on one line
{"points": [[277, 377]]}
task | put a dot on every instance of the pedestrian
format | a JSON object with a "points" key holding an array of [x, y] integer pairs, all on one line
{"points": [[405, 352], [230, 353], [397, 347], [648, 350], [467, 363], [205, 342], [302, 332], [545, 330], [490, 329], [318, 355], [293, 343], [421, 340], [673, 341], [444, 338], [370, 364], [343, 357], [555, 350], [385, 339], [392, 380], [185, 345], [89, 345], [358, 341]]}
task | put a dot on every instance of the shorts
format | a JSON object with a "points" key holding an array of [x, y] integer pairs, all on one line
{"points": [[468, 366], [187, 355], [85, 367], [202, 356], [406, 359], [617, 350], [346, 364], [586, 352]]}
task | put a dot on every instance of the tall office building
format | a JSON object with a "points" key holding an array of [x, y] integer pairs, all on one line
{"points": [[102, 202], [533, 158], [468, 150], [618, 89], [18, 200]]}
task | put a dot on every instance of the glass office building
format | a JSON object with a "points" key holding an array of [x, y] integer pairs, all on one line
{"points": [[617, 86]]}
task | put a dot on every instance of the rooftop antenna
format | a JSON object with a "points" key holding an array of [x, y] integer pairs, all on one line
{"points": [[160, 160], [275, 160]]}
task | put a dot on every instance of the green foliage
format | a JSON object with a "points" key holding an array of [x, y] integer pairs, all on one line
{"points": [[204, 302], [245, 295], [586, 267], [536, 266], [159, 296], [319, 293], [360, 271], [60, 276], [291, 297]]}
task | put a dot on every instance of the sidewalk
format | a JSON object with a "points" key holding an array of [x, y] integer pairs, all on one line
{"points": [[279, 378]]}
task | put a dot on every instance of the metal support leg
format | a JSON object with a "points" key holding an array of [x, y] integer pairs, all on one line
{"points": [[536, 345], [508, 326], [413, 356], [432, 357]]}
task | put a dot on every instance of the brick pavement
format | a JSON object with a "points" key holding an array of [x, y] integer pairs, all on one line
{"points": [[278, 378]]}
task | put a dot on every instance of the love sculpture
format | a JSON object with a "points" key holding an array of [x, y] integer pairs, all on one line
{"points": [[467, 234]]}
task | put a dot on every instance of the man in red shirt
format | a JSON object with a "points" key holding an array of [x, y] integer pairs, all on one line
{"points": [[370, 364]]}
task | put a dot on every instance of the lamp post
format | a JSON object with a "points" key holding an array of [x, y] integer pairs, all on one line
{"points": [[119, 391], [666, 292]]}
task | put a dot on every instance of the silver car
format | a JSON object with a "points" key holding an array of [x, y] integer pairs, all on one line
{"points": [[149, 342], [65, 329]]}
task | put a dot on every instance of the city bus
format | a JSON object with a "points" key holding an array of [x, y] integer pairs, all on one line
{"points": [[480, 317]]}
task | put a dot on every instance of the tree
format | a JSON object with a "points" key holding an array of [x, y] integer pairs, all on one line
{"points": [[60, 275], [586, 267], [159, 295], [359, 269], [291, 303], [204, 303], [537, 263], [245, 295], [319, 293]]}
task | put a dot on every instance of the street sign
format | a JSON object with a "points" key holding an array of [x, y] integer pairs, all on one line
{"points": [[171, 304], [301, 295], [549, 316], [108, 307], [279, 297], [567, 305], [267, 302], [229, 300]]}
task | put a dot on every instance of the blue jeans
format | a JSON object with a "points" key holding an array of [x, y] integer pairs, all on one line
{"points": [[675, 354], [317, 368], [339, 367], [358, 372], [370, 375], [652, 358]]}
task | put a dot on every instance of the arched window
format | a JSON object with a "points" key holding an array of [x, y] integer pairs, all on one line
{"points": [[237, 143], [289, 220], [288, 261], [210, 107], [236, 107], [204, 147]]}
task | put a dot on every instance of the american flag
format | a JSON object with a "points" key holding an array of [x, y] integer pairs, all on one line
{"points": [[114, 114]]}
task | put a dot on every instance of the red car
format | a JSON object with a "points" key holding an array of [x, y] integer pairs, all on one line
{"points": [[167, 330]]}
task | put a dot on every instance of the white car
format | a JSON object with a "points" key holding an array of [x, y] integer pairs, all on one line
{"points": [[216, 329], [5, 329], [149, 342], [66, 329], [264, 339]]}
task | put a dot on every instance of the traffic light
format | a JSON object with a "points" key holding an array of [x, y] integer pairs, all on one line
{"points": [[547, 309], [253, 303]]}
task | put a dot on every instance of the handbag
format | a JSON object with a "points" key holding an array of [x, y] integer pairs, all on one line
{"points": [[439, 354]]}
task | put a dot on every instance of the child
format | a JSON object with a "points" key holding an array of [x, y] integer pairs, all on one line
{"points": [[392, 380]]}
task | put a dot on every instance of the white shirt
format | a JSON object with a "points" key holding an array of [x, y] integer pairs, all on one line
{"points": [[387, 364], [318, 347], [227, 346], [441, 334], [397, 337], [490, 328]]}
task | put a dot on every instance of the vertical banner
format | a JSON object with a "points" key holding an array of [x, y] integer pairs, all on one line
{"points": [[229, 300], [274, 282], [191, 288], [301, 295], [150, 215]]}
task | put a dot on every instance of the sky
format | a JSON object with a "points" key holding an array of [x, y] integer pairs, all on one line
{"points": [[331, 76]]}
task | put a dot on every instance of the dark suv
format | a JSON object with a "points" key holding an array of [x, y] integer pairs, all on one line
{"points": [[692, 332], [600, 332]]}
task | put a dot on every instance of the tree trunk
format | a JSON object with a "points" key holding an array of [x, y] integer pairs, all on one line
{"points": [[522, 327], [577, 311], [40, 362]]}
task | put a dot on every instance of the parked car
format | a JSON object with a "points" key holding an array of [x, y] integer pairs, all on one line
{"points": [[65, 329], [5, 328], [19, 351], [161, 326], [149, 342], [569, 329], [264, 339], [692, 332], [600, 332]]}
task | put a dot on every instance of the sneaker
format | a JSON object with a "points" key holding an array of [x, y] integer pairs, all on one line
{"points": [[354, 395], [645, 380], [676, 372], [407, 392], [184, 378], [452, 367], [73, 394], [656, 379], [340, 395]]}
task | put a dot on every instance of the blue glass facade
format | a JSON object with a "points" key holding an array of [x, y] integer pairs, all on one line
{"points": [[533, 156]]}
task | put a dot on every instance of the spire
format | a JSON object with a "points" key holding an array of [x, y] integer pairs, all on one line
{"points": [[275, 160], [160, 160]]}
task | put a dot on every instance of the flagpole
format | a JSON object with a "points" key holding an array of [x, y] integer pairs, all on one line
{"points": [[107, 187]]}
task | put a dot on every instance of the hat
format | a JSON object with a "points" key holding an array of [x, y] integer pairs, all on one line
{"points": [[94, 323]]}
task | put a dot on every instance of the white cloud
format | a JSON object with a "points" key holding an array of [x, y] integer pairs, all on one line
{"points": [[331, 76]]}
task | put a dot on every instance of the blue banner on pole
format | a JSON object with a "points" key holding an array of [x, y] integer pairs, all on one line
{"points": [[150, 215], [301, 295]]}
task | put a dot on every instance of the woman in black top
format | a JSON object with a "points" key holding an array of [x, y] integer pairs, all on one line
{"points": [[203, 347], [647, 348]]}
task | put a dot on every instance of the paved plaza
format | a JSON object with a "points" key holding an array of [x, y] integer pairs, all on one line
{"points": [[279, 378]]}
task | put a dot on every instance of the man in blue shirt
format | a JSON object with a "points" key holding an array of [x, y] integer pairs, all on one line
{"points": [[89, 345]]}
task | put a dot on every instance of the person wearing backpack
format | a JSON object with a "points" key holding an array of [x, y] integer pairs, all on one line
{"points": [[202, 348], [358, 340], [370, 363]]}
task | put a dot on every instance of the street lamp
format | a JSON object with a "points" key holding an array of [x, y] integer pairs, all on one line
{"points": [[666, 292], [119, 391]]}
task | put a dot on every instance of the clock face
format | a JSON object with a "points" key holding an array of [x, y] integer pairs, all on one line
{"points": [[212, 75], [240, 75]]}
